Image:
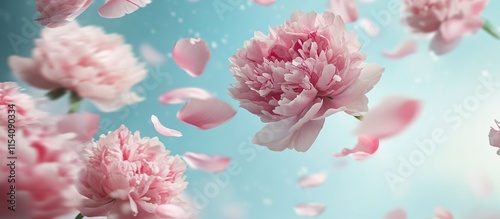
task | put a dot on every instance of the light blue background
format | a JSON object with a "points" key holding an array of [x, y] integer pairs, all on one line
{"points": [[263, 183]]}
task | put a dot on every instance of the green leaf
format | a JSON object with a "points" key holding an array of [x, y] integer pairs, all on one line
{"points": [[359, 117], [79, 216], [489, 28], [56, 93], [74, 102]]}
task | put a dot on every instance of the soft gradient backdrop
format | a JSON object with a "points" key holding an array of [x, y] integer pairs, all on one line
{"points": [[262, 183]]}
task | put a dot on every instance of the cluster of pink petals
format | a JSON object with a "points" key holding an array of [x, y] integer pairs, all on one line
{"points": [[26, 112], [449, 20], [126, 175], [494, 136], [85, 60], [56, 13], [46, 166], [302, 72]]}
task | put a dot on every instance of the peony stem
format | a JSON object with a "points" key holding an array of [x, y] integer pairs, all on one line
{"points": [[74, 103], [79, 216], [56, 93], [359, 117], [489, 28]]}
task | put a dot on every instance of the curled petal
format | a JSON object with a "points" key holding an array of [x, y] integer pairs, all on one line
{"points": [[312, 180], [366, 147], [406, 48], [389, 118], [119, 8], [309, 210], [179, 95], [205, 162], [162, 129], [206, 113], [191, 55]]}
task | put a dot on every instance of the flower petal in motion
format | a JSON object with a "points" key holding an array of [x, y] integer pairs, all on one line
{"points": [[442, 213], [345, 8], [191, 55], [84, 125], [119, 8], [366, 147], [151, 55], [494, 136], [480, 185], [205, 162], [264, 2], [369, 27], [398, 213], [309, 210], [206, 113], [26, 70], [162, 129], [389, 118], [170, 211], [406, 48], [179, 95], [56, 13], [312, 180]]}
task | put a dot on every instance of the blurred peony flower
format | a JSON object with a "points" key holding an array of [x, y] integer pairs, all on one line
{"points": [[86, 61], [44, 163], [25, 112], [449, 20], [302, 72], [56, 13], [126, 176]]}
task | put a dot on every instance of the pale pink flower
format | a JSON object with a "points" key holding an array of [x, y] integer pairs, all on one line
{"points": [[85, 60], [449, 20], [23, 106], [45, 161], [56, 13], [125, 174], [300, 73]]}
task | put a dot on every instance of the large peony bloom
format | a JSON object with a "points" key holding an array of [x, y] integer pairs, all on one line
{"points": [[84, 60], [449, 20], [45, 167], [303, 71], [126, 176]]}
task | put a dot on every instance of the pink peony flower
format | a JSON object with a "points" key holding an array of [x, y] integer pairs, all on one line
{"points": [[125, 175], [24, 106], [45, 167], [84, 60], [56, 13], [302, 72], [449, 20]]}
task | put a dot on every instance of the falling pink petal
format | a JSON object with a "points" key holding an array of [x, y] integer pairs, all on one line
{"points": [[170, 211], [84, 125], [206, 113], [366, 147], [264, 2], [389, 118], [345, 8], [205, 162], [494, 136], [398, 213], [442, 213], [406, 48], [119, 8], [179, 95], [162, 129], [56, 13], [312, 180], [480, 185], [191, 55], [150, 55], [369, 27], [309, 210]]}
